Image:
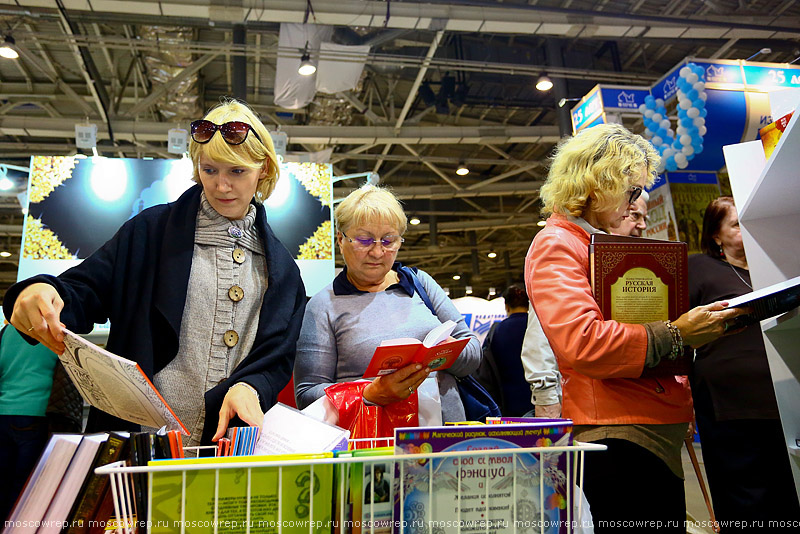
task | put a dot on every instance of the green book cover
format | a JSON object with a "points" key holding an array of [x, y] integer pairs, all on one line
{"points": [[290, 486], [372, 491]]}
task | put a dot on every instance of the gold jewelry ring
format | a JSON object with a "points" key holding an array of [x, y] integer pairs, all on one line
{"points": [[31, 328], [410, 389]]}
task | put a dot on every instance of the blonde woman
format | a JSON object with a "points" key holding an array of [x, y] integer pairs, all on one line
{"points": [[594, 180], [374, 299], [199, 292]]}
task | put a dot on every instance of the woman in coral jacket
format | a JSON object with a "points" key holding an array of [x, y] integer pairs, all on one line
{"points": [[593, 182]]}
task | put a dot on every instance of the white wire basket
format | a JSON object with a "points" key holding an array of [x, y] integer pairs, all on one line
{"points": [[347, 495]]}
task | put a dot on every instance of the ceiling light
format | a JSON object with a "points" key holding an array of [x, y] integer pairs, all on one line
{"points": [[456, 277], [541, 223], [492, 254], [762, 51], [306, 67], [414, 221], [469, 290], [462, 170], [565, 100], [492, 291], [544, 83], [8, 50], [5, 254], [6, 184]]}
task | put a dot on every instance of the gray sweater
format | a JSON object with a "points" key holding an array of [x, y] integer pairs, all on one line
{"points": [[340, 334]]}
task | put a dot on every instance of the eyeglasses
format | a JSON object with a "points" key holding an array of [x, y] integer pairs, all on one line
{"points": [[388, 242], [233, 132], [635, 192]]}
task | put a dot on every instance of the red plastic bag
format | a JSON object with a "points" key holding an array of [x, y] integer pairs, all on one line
{"points": [[370, 421]]}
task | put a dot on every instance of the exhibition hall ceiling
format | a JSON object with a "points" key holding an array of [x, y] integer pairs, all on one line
{"points": [[445, 84]]}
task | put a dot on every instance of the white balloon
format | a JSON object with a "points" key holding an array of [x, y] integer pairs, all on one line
{"points": [[692, 78], [686, 140], [681, 95], [685, 72], [699, 121], [642, 109], [699, 86], [657, 117], [657, 141], [680, 157], [681, 130], [649, 113], [693, 112], [685, 104], [702, 96], [683, 165], [688, 150], [661, 167], [702, 130], [648, 133], [671, 133], [659, 102], [665, 124], [669, 152]]}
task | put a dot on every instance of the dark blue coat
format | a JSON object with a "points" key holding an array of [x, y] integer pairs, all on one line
{"points": [[139, 279]]}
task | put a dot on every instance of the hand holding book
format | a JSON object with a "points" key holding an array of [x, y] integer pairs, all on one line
{"points": [[396, 386]]}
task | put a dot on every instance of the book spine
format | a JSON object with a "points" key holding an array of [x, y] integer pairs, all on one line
{"points": [[94, 488]]}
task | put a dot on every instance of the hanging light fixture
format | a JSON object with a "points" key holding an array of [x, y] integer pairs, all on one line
{"points": [[7, 50], [306, 67], [544, 83], [414, 221], [456, 277], [468, 290], [492, 254], [462, 169]]}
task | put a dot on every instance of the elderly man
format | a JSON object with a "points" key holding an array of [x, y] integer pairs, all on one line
{"points": [[538, 360]]}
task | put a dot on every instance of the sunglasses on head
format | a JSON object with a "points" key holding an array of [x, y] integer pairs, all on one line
{"points": [[233, 132]]}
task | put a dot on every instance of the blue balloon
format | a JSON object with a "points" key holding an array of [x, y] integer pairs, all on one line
{"points": [[677, 144], [692, 131], [698, 149], [690, 157], [682, 113], [670, 164], [703, 112], [662, 133], [697, 69], [686, 121], [699, 103], [650, 105], [697, 141]]}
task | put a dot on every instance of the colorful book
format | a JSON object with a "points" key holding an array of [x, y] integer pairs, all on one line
{"points": [[42, 483], [434, 352], [273, 499], [95, 489], [372, 490], [484, 491], [638, 280], [67, 492], [115, 385]]}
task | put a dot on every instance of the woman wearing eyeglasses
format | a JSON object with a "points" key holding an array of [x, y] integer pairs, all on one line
{"points": [[199, 291], [593, 182], [374, 299]]}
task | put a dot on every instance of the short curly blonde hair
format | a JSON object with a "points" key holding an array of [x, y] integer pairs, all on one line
{"points": [[603, 161], [252, 153], [367, 205]]}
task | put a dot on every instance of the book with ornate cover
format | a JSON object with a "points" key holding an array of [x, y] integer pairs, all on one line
{"points": [[115, 385], [638, 280]]}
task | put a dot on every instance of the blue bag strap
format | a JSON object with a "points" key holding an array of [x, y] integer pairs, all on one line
{"points": [[412, 273]]}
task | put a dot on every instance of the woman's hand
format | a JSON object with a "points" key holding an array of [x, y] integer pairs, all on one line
{"points": [[396, 386], [241, 401], [37, 313], [706, 323]]}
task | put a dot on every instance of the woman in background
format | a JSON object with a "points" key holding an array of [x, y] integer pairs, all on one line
{"points": [[594, 180], [744, 448], [374, 299]]}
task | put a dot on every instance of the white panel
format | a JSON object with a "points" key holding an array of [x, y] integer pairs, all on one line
{"points": [[144, 8], [745, 162], [275, 15], [463, 25], [662, 32], [783, 101], [749, 34], [500, 26], [635, 31], [552, 28], [705, 33], [606, 31]]}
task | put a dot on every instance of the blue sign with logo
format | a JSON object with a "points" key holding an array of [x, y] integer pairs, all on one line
{"points": [[623, 98], [772, 76], [693, 178], [588, 110], [722, 73]]}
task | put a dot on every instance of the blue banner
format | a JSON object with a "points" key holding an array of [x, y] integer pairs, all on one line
{"points": [[772, 76], [623, 98], [693, 177], [588, 110]]}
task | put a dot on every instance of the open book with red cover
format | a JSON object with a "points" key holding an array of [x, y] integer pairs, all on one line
{"points": [[436, 352]]}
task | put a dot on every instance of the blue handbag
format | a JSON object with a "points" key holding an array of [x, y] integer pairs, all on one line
{"points": [[478, 403]]}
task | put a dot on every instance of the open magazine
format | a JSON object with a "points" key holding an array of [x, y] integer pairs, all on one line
{"points": [[767, 302], [116, 385], [435, 352]]}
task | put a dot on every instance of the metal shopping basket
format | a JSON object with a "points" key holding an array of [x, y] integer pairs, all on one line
{"points": [[431, 493]]}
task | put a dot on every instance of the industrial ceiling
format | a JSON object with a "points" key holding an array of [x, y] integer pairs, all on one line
{"points": [[445, 83]]}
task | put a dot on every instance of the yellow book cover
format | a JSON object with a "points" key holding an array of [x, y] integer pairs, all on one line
{"points": [[772, 132], [303, 491]]}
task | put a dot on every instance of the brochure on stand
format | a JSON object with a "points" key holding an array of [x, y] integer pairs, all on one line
{"points": [[767, 302], [286, 430], [116, 385], [435, 352]]}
